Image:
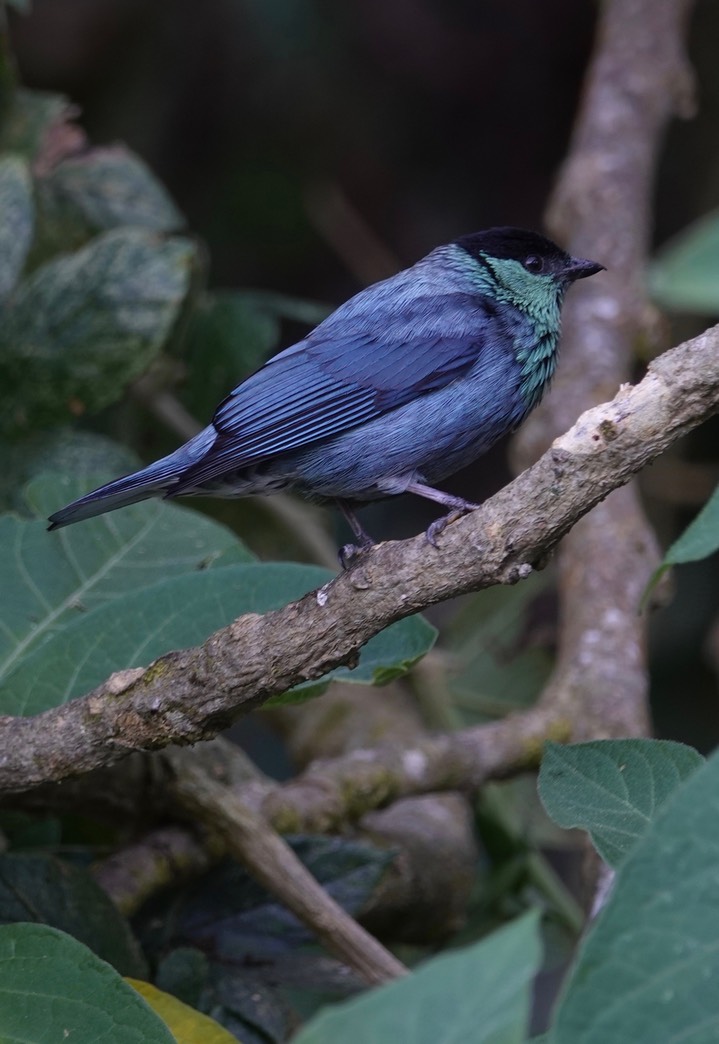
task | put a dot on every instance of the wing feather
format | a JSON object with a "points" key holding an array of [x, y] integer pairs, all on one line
{"points": [[352, 368]]}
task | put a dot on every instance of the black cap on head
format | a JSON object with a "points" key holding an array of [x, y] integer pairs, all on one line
{"points": [[536, 252]]}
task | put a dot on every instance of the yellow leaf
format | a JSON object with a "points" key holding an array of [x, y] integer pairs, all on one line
{"points": [[187, 1025]]}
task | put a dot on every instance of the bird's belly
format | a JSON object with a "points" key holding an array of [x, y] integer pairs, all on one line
{"points": [[427, 439]]}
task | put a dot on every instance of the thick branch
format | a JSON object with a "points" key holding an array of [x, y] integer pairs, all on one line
{"points": [[190, 695], [637, 80]]}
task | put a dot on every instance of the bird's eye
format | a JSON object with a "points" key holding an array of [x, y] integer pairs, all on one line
{"points": [[533, 263]]}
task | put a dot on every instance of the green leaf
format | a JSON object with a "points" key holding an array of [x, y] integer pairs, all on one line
{"points": [[52, 988], [42, 888], [16, 207], [613, 788], [140, 625], [648, 970], [105, 188], [699, 540], [49, 579], [481, 994], [685, 275], [84, 325], [84, 455]]}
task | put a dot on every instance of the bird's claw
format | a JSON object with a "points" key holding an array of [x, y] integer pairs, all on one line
{"points": [[350, 554], [440, 524]]}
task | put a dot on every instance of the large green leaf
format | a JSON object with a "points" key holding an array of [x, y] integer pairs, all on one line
{"points": [[139, 625], [16, 207], [648, 970], [52, 988], [84, 325], [49, 579], [613, 788], [685, 276], [38, 887], [84, 455], [480, 994]]}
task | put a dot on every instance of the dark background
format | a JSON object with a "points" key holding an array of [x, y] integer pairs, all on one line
{"points": [[316, 146]]}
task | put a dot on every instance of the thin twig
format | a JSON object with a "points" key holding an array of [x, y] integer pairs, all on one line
{"points": [[272, 862]]}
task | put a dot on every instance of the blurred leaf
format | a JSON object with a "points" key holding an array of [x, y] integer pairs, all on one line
{"points": [[83, 326], [55, 989], [699, 540], [229, 912], [498, 667], [41, 888], [241, 1001], [183, 972], [613, 788], [34, 115], [61, 451], [105, 188], [647, 971], [22, 830], [143, 623], [685, 275], [480, 994], [48, 579], [16, 207], [187, 1025], [514, 827], [255, 943], [227, 338]]}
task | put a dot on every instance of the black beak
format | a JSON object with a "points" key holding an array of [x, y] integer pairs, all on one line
{"points": [[580, 268]]}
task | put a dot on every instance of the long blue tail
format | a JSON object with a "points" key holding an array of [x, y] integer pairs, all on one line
{"points": [[155, 480]]}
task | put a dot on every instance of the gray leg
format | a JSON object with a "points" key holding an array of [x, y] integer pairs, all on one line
{"points": [[458, 505], [350, 552]]}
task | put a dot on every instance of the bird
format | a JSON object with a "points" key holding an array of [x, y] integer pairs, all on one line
{"points": [[405, 383]]}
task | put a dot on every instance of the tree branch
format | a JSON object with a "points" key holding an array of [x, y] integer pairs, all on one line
{"points": [[637, 80], [253, 842], [190, 695]]}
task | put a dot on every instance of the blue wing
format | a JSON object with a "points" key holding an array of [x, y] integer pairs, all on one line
{"points": [[366, 359]]}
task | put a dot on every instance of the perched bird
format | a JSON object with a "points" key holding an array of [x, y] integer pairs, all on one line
{"points": [[404, 384]]}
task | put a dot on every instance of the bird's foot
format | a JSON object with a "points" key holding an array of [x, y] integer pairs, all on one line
{"points": [[350, 554], [440, 524]]}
